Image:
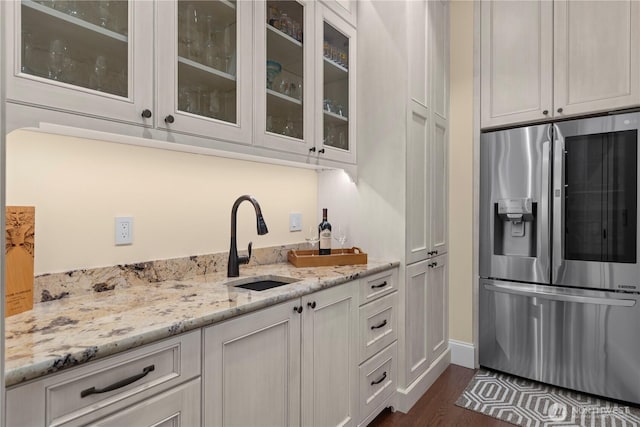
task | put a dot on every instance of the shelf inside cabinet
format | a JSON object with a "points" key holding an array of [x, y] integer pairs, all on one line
{"points": [[54, 21], [334, 118], [284, 49], [222, 11], [334, 72], [284, 98], [204, 75]]}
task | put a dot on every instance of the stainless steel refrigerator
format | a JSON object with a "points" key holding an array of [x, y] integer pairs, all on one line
{"points": [[559, 270]]}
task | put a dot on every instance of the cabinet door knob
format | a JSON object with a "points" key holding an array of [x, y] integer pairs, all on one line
{"points": [[321, 151], [297, 309], [311, 304], [545, 112], [312, 149], [146, 113], [169, 119], [560, 110]]}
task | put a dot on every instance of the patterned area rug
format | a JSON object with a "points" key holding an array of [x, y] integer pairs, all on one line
{"points": [[528, 403]]}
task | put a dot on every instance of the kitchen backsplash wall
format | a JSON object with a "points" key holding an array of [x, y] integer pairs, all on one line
{"points": [[180, 202]]}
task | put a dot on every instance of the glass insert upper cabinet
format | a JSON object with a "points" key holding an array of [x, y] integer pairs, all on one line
{"points": [[337, 57], [284, 92], [78, 56], [204, 68]]}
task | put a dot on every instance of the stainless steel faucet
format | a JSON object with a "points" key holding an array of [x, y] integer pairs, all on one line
{"points": [[233, 266]]}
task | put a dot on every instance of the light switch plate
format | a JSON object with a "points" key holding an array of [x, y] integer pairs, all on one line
{"points": [[295, 222]]}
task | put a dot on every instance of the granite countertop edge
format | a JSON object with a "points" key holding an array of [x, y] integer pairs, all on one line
{"points": [[55, 361]]}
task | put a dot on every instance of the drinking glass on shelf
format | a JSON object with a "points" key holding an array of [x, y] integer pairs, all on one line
{"points": [[341, 237], [211, 55], [98, 77], [104, 13], [229, 65], [214, 104], [26, 61], [57, 53], [312, 238]]}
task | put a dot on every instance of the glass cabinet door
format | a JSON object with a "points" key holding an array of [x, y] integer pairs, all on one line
{"points": [[82, 43], [204, 66], [207, 59], [337, 88], [75, 51], [284, 55]]}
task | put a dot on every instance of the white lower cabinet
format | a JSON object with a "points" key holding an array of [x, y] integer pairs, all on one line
{"points": [[329, 357], [252, 369], [377, 383], [377, 337], [178, 407], [426, 314], [291, 364], [126, 389]]}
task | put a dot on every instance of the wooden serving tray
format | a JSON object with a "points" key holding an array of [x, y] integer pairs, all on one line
{"points": [[308, 258]]}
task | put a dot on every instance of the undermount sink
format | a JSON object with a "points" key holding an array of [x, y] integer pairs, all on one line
{"points": [[262, 283]]}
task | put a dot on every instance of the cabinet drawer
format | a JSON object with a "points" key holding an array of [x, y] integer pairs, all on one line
{"points": [[377, 380], [373, 287], [179, 406], [107, 385], [377, 325]]}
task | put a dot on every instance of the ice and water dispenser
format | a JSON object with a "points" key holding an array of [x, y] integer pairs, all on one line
{"points": [[515, 227]]}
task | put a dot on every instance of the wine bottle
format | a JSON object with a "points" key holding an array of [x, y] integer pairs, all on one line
{"points": [[324, 232]]}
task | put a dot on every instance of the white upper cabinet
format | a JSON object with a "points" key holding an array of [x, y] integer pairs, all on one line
{"points": [[90, 58], [336, 88], [597, 44], [543, 59], [438, 40], [284, 84], [346, 9], [427, 130], [204, 63], [516, 61], [266, 78]]}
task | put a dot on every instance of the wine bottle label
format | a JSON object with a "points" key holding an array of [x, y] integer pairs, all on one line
{"points": [[325, 239]]}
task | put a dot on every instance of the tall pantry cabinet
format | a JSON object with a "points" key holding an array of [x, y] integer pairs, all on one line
{"points": [[426, 290], [402, 180]]}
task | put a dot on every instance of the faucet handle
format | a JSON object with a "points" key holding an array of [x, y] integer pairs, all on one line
{"points": [[244, 259]]}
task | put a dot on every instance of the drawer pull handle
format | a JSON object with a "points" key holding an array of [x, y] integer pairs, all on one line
{"points": [[119, 384], [384, 322], [380, 380], [381, 285]]}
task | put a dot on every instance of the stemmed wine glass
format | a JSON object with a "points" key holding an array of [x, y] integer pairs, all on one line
{"points": [[341, 237], [312, 238]]}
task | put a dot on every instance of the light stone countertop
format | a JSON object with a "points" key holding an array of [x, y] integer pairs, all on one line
{"points": [[67, 332]]}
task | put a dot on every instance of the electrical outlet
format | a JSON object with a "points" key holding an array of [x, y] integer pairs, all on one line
{"points": [[124, 230], [295, 222]]}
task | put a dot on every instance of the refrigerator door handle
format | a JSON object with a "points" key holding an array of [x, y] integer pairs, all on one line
{"points": [[544, 232], [557, 296], [558, 203]]}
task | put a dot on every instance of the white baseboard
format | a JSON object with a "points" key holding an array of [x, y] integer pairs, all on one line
{"points": [[409, 396], [462, 354]]}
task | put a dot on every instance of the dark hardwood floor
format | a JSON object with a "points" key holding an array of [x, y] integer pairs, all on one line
{"points": [[437, 407]]}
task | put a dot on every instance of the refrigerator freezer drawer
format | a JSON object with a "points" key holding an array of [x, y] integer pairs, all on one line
{"points": [[578, 339]]}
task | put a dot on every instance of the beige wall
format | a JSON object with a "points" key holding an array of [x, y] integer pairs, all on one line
{"points": [[461, 173], [181, 202]]}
